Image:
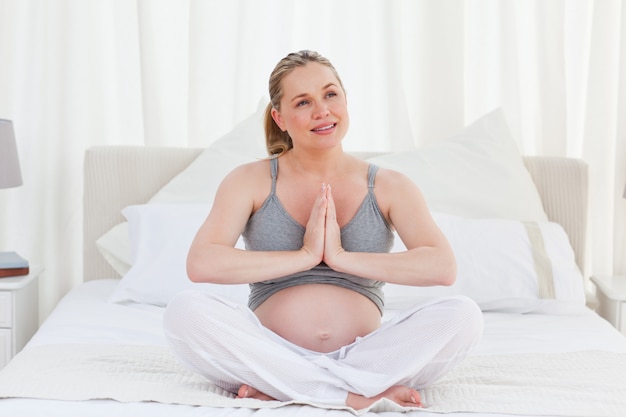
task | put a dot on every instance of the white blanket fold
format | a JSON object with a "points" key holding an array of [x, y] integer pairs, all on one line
{"points": [[576, 384]]}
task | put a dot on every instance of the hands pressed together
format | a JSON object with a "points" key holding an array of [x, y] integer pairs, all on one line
{"points": [[322, 238]]}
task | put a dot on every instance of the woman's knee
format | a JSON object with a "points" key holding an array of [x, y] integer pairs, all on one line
{"points": [[469, 316]]}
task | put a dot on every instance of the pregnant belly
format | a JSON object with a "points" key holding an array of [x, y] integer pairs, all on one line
{"points": [[319, 317]]}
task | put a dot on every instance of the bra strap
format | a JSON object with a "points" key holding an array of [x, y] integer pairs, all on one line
{"points": [[274, 172], [371, 175]]}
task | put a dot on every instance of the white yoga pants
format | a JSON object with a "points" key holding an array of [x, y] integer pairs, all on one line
{"points": [[225, 342]]}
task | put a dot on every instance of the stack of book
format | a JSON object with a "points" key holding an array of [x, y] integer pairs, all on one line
{"points": [[12, 264]]}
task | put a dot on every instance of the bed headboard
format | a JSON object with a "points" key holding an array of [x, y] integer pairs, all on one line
{"points": [[118, 176]]}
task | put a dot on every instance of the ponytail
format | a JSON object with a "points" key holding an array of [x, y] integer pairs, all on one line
{"points": [[277, 142]]}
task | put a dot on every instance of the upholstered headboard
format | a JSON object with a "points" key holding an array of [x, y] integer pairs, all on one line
{"points": [[118, 176]]}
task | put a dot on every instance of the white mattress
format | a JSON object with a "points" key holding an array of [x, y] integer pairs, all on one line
{"points": [[84, 316]]}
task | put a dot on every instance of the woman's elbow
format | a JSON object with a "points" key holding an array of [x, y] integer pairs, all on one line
{"points": [[211, 264], [448, 272], [194, 272], [200, 270]]}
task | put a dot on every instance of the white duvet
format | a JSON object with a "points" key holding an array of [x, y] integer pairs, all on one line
{"points": [[525, 365]]}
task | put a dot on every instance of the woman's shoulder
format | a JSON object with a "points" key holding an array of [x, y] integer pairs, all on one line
{"points": [[390, 178], [248, 174], [251, 168], [394, 186]]}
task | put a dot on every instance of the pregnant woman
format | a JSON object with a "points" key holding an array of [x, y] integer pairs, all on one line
{"points": [[318, 226]]}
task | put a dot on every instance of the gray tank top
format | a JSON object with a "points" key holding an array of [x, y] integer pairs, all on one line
{"points": [[271, 228]]}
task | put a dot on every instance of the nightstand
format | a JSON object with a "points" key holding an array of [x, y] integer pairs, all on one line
{"points": [[612, 299], [19, 312]]}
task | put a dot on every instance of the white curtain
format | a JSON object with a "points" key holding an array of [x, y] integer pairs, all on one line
{"points": [[78, 73]]}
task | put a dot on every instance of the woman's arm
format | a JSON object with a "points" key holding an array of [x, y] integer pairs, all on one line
{"points": [[428, 260], [212, 256]]}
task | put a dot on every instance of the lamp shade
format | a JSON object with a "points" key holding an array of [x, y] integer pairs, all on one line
{"points": [[10, 174]]}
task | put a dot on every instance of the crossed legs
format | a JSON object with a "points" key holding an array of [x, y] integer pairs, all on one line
{"points": [[226, 343]]}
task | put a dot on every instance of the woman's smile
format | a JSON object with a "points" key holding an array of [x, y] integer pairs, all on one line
{"points": [[325, 129]]}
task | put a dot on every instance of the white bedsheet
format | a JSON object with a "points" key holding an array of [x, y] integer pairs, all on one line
{"points": [[84, 316]]}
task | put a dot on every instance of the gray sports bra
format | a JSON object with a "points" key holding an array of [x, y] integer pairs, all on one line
{"points": [[271, 228]]}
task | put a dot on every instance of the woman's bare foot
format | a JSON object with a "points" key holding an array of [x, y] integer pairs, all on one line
{"points": [[404, 396], [246, 391]]}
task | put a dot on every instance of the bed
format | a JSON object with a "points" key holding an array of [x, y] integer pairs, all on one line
{"points": [[517, 225]]}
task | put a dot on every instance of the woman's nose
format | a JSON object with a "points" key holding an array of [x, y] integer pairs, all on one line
{"points": [[321, 111]]}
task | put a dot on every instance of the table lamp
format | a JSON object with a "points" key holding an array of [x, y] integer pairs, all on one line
{"points": [[10, 176]]}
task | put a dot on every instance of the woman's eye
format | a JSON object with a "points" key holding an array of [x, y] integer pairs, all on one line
{"points": [[331, 94], [302, 103]]}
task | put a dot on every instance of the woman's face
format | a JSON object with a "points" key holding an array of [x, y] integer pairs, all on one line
{"points": [[313, 109]]}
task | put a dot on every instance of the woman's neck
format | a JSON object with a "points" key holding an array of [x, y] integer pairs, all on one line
{"points": [[320, 165]]}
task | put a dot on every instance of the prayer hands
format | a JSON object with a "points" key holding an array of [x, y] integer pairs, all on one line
{"points": [[322, 238]]}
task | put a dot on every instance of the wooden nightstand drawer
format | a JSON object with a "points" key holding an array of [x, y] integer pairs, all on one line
{"points": [[6, 309]]}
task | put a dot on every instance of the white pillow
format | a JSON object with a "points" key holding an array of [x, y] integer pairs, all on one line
{"points": [[477, 173], [160, 237], [496, 267], [114, 246]]}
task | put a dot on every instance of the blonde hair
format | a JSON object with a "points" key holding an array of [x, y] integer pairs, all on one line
{"points": [[277, 141]]}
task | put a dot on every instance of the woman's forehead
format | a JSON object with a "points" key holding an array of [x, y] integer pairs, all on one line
{"points": [[308, 79]]}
